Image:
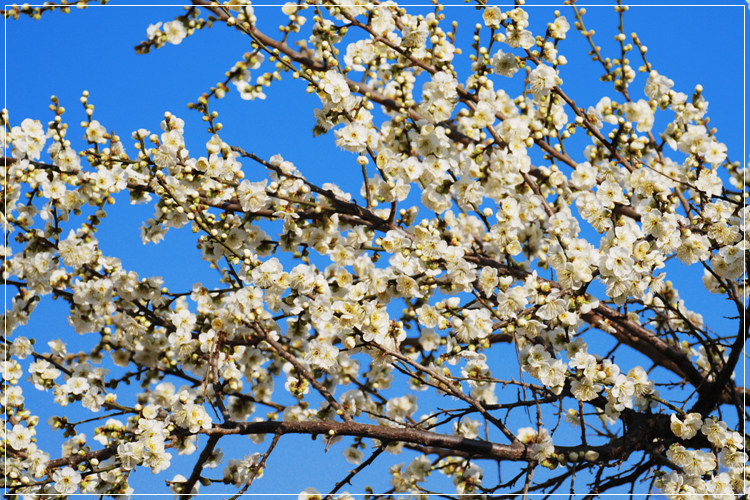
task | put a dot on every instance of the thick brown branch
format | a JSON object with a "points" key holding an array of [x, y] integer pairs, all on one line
{"points": [[716, 389], [187, 487], [517, 451]]}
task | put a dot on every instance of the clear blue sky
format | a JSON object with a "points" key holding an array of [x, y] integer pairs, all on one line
{"points": [[93, 50]]}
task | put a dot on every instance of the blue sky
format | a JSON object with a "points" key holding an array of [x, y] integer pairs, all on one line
{"points": [[93, 50]]}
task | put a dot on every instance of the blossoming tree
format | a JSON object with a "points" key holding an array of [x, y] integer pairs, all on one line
{"points": [[452, 311]]}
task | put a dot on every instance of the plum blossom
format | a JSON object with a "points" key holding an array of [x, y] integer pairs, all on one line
{"points": [[334, 87], [542, 79], [175, 32], [657, 85], [66, 480], [504, 63], [252, 195]]}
